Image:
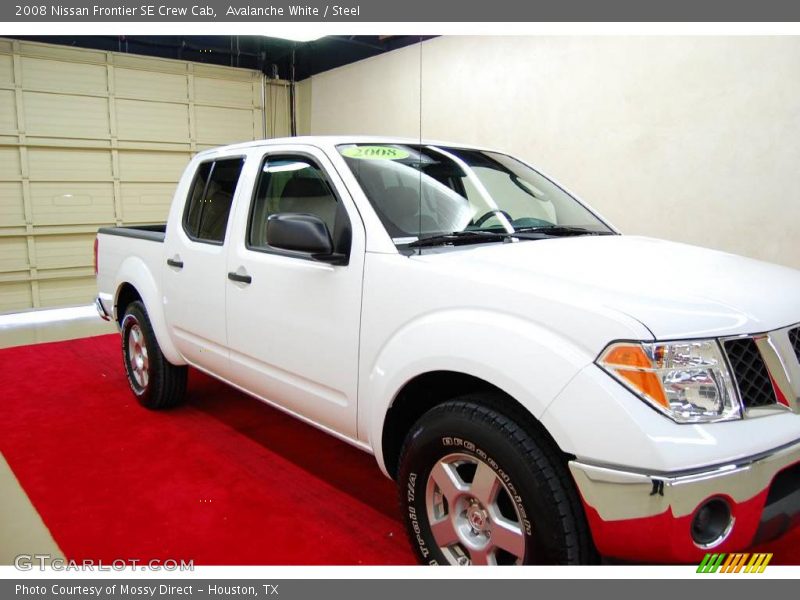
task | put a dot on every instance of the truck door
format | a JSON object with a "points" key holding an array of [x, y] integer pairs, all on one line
{"points": [[194, 271], [293, 321]]}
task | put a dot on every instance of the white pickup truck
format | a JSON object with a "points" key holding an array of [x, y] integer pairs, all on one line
{"points": [[542, 388]]}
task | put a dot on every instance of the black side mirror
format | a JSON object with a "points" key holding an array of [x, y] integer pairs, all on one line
{"points": [[302, 233]]}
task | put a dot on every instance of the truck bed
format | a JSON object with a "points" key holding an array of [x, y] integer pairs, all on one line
{"points": [[154, 233], [140, 245]]}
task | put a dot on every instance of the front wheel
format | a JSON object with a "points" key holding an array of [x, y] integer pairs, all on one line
{"points": [[477, 488], [154, 381]]}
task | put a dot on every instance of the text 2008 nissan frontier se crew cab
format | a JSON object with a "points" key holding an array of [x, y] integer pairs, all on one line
{"points": [[542, 389]]}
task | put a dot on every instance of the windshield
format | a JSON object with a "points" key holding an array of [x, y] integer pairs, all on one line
{"points": [[426, 191]]}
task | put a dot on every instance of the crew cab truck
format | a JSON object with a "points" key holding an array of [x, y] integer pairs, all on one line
{"points": [[542, 388]]}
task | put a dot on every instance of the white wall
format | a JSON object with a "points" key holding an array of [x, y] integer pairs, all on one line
{"points": [[695, 139]]}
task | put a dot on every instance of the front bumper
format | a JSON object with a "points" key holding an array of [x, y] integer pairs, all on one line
{"points": [[648, 516]]}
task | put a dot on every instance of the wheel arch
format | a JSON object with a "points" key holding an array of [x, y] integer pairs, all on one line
{"points": [[136, 282], [126, 295], [430, 389]]}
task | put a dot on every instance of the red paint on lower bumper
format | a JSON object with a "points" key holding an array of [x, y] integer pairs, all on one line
{"points": [[666, 538]]}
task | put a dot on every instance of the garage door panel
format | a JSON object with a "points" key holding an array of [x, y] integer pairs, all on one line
{"points": [[156, 121], [64, 251], [223, 125], [146, 202], [9, 164], [149, 64], [220, 72], [6, 69], [62, 115], [134, 83], [66, 292], [13, 254], [50, 164], [12, 208], [152, 166], [82, 55], [15, 296], [82, 170], [222, 92], [8, 112], [68, 203], [64, 77], [258, 127]]}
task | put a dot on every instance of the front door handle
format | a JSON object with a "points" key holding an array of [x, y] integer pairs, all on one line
{"points": [[175, 262], [234, 276]]}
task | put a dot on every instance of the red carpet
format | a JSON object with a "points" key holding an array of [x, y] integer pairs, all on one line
{"points": [[223, 480]]}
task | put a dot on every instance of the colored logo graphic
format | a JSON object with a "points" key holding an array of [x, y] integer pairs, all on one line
{"points": [[734, 563], [375, 153]]}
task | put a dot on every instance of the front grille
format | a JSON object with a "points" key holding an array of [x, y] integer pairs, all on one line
{"points": [[750, 373], [794, 337]]}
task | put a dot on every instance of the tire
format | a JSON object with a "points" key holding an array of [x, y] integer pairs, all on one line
{"points": [[476, 487], [155, 382]]}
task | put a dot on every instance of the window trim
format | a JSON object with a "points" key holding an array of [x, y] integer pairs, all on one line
{"points": [[280, 251], [213, 161]]}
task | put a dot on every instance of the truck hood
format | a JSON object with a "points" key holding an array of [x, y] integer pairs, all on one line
{"points": [[675, 290]]}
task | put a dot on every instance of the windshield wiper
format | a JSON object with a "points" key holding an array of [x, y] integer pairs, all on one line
{"points": [[457, 238], [477, 236], [560, 230]]}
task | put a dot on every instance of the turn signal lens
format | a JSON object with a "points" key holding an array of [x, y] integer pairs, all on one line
{"points": [[687, 380]]}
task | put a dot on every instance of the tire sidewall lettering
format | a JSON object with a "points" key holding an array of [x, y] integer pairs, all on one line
{"points": [[417, 529]]}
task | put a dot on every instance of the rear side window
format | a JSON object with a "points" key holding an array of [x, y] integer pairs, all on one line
{"points": [[208, 204]]}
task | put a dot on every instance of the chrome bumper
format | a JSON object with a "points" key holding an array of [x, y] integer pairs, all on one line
{"points": [[635, 506], [101, 310]]}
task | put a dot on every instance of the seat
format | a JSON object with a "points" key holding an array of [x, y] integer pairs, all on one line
{"points": [[401, 206], [215, 212], [309, 195]]}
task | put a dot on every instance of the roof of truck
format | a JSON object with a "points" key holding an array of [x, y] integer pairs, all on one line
{"points": [[333, 140]]}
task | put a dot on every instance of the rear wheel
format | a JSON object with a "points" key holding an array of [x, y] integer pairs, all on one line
{"points": [[154, 381], [477, 488]]}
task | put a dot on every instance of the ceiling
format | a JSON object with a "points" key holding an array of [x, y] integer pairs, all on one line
{"points": [[272, 56]]}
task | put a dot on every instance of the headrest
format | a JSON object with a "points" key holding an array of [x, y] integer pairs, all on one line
{"points": [[305, 187], [400, 201]]}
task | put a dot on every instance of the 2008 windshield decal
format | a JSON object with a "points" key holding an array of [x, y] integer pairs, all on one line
{"points": [[375, 153]]}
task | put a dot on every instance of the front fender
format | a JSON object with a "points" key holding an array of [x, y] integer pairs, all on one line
{"points": [[602, 423], [134, 271], [527, 361]]}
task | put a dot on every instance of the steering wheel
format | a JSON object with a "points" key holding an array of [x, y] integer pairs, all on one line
{"points": [[488, 215]]}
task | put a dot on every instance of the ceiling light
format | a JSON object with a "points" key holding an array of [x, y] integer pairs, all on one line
{"points": [[296, 37]]}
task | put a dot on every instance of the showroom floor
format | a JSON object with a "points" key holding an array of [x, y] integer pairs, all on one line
{"points": [[223, 479], [21, 528], [33, 327]]}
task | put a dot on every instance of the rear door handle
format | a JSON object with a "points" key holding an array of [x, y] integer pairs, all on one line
{"points": [[175, 262], [234, 276]]}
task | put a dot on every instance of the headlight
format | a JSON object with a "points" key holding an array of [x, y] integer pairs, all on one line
{"points": [[688, 380]]}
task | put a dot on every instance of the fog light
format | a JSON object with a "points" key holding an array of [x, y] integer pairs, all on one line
{"points": [[712, 523]]}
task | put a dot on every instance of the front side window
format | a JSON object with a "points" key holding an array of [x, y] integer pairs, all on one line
{"points": [[429, 191], [210, 199], [295, 184]]}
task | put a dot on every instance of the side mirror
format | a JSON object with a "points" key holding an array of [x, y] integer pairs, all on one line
{"points": [[302, 233]]}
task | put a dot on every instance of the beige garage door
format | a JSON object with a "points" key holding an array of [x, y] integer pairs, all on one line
{"points": [[90, 138]]}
